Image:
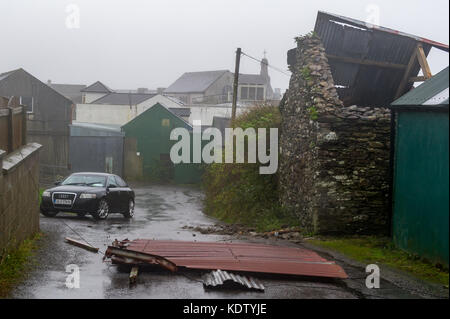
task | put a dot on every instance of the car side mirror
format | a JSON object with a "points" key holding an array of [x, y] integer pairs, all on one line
{"points": [[111, 186], [57, 183]]}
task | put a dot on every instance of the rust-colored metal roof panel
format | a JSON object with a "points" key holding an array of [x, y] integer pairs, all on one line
{"points": [[240, 257]]}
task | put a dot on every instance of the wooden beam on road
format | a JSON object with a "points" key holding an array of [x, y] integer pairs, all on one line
{"points": [[80, 244], [134, 274]]}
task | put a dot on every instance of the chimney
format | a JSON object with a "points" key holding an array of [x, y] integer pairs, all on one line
{"points": [[49, 82], [142, 90]]}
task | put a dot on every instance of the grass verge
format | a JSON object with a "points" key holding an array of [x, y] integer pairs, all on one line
{"points": [[41, 190], [381, 250], [238, 193], [14, 265]]}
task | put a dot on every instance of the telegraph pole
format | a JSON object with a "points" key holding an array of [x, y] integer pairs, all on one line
{"points": [[235, 84]]}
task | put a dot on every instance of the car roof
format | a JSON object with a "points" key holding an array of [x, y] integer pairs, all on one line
{"points": [[93, 173]]}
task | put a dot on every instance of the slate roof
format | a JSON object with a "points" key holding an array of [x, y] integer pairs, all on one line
{"points": [[181, 111], [123, 98], [251, 79], [434, 92], [4, 75], [97, 87], [70, 91], [195, 82]]}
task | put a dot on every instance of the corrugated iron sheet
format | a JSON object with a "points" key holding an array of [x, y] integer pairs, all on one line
{"points": [[368, 85], [221, 278], [242, 257]]}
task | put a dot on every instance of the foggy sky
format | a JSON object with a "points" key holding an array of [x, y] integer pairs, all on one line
{"points": [[136, 43]]}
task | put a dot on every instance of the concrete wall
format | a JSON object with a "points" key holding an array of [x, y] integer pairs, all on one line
{"points": [[90, 97], [206, 113], [334, 160], [118, 114], [19, 196]]}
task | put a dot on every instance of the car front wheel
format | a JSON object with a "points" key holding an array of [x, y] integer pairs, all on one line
{"points": [[102, 210], [130, 212]]}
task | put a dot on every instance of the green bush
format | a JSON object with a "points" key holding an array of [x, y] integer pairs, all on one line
{"points": [[237, 193]]}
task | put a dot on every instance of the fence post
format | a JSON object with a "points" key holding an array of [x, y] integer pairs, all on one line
{"points": [[10, 130], [24, 126]]}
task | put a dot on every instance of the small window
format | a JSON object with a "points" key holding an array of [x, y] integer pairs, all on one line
{"points": [[244, 93], [260, 94], [28, 103], [165, 122], [252, 93]]}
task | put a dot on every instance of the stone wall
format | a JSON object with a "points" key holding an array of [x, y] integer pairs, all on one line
{"points": [[334, 160], [19, 196]]}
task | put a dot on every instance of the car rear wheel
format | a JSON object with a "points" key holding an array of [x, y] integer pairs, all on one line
{"points": [[130, 212], [48, 213], [102, 210]]}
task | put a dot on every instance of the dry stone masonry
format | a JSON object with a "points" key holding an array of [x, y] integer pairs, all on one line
{"points": [[334, 160]]}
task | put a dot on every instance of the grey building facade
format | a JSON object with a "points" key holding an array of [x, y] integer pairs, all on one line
{"points": [[216, 87], [96, 148], [48, 118]]}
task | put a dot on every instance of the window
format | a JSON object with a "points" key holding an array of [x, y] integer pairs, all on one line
{"points": [[244, 93], [120, 182], [165, 122], [85, 180], [252, 93], [28, 103], [260, 94], [112, 181]]}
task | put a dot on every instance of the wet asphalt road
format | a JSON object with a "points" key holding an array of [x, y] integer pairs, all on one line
{"points": [[161, 212]]}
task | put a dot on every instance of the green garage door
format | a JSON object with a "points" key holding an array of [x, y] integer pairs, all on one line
{"points": [[421, 187]]}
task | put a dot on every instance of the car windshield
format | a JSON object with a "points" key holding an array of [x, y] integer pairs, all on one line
{"points": [[85, 180]]}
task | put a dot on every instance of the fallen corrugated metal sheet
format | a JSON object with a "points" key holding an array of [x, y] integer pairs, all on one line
{"points": [[224, 279], [242, 257]]}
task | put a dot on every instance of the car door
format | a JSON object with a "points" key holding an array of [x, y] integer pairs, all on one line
{"points": [[124, 193], [113, 195]]}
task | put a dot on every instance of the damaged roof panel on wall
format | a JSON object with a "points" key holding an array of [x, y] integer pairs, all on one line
{"points": [[368, 62]]}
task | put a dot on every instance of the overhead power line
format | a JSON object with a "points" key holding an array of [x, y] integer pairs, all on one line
{"points": [[269, 65]]}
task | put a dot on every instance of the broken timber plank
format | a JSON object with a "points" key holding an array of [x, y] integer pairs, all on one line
{"points": [[112, 251], [81, 245], [133, 274]]}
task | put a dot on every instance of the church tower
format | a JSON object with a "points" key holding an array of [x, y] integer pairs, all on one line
{"points": [[265, 68]]}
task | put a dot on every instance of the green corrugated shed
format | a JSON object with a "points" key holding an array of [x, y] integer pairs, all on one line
{"points": [[150, 133], [421, 170]]}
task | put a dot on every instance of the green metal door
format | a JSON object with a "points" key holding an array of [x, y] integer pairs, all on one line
{"points": [[421, 185]]}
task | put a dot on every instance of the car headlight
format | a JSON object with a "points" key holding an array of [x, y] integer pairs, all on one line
{"points": [[87, 195], [46, 194]]}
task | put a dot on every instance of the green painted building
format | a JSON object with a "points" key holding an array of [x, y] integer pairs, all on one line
{"points": [[147, 148], [421, 170]]}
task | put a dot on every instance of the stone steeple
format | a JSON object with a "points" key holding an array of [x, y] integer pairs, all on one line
{"points": [[264, 68]]}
